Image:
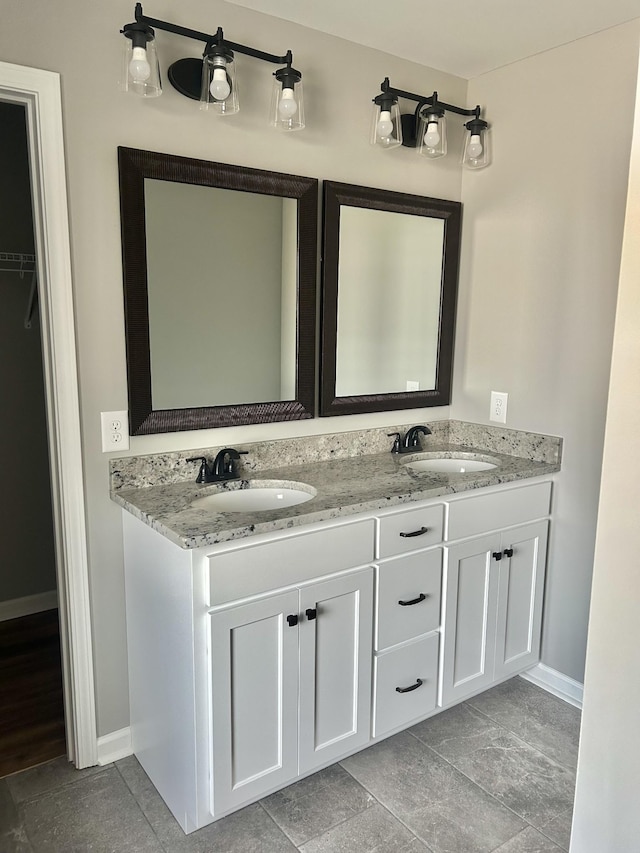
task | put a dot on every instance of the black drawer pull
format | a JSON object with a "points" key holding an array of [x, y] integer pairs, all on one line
{"points": [[420, 532], [415, 686], [292, 620], [508, 552], [497, 555], [417, 600], [311, 613]]}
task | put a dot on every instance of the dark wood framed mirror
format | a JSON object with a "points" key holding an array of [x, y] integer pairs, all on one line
{"points": [[219, 267], [389, 288]]}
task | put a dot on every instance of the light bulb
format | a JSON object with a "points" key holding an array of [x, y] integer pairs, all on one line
{"points": [[384, 128], [475, 149], [220, 88], [139, 67], [432, 137], [287, 105]]}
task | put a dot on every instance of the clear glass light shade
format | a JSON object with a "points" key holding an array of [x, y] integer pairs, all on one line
{"points": [[431, 136], [140, 72], [386, 128], [219, 90], [287, 106], [477, 149]]}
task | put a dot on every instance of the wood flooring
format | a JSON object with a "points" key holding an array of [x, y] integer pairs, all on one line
{"points": [[31, 704]]}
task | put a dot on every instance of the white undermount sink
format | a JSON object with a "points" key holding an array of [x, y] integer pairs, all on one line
{"points": [[464, 463], [255, 496]]}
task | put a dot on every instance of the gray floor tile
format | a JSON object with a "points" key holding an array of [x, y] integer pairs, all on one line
{"points": [[519, 776], [372, 831], [96, 814], [440, 805], [13, 837], [250, 830], [529, 841], [46, 777], [312, 806], [559, 829], [543, 720]]}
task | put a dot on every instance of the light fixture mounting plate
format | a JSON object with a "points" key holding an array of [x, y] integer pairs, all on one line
{"points": [[185, 75]]}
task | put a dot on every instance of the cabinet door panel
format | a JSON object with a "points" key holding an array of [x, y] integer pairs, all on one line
{"points": [[335, 668], [254, 699], [470, 618], [520, 598]]}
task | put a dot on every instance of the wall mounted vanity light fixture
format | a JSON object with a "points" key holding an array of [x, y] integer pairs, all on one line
{"points": [[211, 80], [425, 129]]}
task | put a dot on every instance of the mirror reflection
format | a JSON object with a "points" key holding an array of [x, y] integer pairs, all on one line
{"points": [[219, 265], [226, 334], [389, 284], [389, 274]]}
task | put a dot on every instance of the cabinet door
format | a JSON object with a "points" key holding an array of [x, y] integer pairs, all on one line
{"points": [[521, 589], [335, 667], [254, 690], [469, 626]]}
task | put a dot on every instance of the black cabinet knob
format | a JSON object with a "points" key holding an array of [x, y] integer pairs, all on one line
{"points": [[292, 620], [311, 613], [508, 552], [497, 555]]}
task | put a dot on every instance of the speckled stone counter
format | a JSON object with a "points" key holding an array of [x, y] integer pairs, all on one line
{"points": [[351, 473]]}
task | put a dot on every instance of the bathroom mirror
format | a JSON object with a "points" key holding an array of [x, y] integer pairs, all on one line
{"points": [[219, 266], [389, 286]]}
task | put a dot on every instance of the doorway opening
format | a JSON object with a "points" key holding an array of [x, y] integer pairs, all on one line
{"points": [[32, 726]]}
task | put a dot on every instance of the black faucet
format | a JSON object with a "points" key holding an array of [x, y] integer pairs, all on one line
{"points": [[224, 464], [223, 467], [411, 441]]}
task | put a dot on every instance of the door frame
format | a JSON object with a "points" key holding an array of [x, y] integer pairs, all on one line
{"points": [[39, 92]]}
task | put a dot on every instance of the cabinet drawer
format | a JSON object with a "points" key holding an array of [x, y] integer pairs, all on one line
{"points": [[402, 668], [481, 513], [409, 530], [414, 579], [253, 569]]}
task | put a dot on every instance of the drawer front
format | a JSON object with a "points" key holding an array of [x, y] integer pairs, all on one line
{"points": [[402, 668], [481, 513], [408, 597], [253, 569], [409, 530]]}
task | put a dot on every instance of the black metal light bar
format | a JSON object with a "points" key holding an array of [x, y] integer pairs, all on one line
{"points": [[208, 38], [431, 100]]}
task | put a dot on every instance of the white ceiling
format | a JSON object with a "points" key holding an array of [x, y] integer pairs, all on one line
{"points": [[462, 37]]}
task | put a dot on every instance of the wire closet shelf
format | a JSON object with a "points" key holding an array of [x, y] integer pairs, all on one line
{"points": [[22, 263]]}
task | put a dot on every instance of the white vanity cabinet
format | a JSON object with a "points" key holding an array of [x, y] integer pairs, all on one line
{"points": [[290, 685], [256, 662], [494, 586]]}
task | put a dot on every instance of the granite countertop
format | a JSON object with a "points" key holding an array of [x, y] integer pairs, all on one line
{"points": [[344, 486]]}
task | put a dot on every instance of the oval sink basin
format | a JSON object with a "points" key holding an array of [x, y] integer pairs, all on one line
{"points": [[454, 464], [257, 496]]}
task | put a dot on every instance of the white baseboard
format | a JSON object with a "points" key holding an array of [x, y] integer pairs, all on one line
{"points": [[114, 746], [555, 682], [17, 607]]}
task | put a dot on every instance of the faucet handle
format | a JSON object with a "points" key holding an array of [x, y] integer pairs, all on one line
{"points": [[232, 457], [396, 443], [203, 473]]}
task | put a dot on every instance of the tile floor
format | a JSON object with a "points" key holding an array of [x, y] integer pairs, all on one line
{"points": [[493, 775]]}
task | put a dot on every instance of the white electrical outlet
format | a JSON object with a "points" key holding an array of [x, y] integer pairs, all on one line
{"points": [[498, 410], [115, 431]]}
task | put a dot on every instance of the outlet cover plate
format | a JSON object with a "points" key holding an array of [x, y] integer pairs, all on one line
{"points": [[115, 431], [498, 409]]}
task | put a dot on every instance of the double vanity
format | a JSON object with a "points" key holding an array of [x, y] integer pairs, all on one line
{"points": [[273, 634]]}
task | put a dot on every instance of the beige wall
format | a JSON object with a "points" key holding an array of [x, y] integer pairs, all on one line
{"points": [[541, 248], [80, 39], [606, 813]]}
